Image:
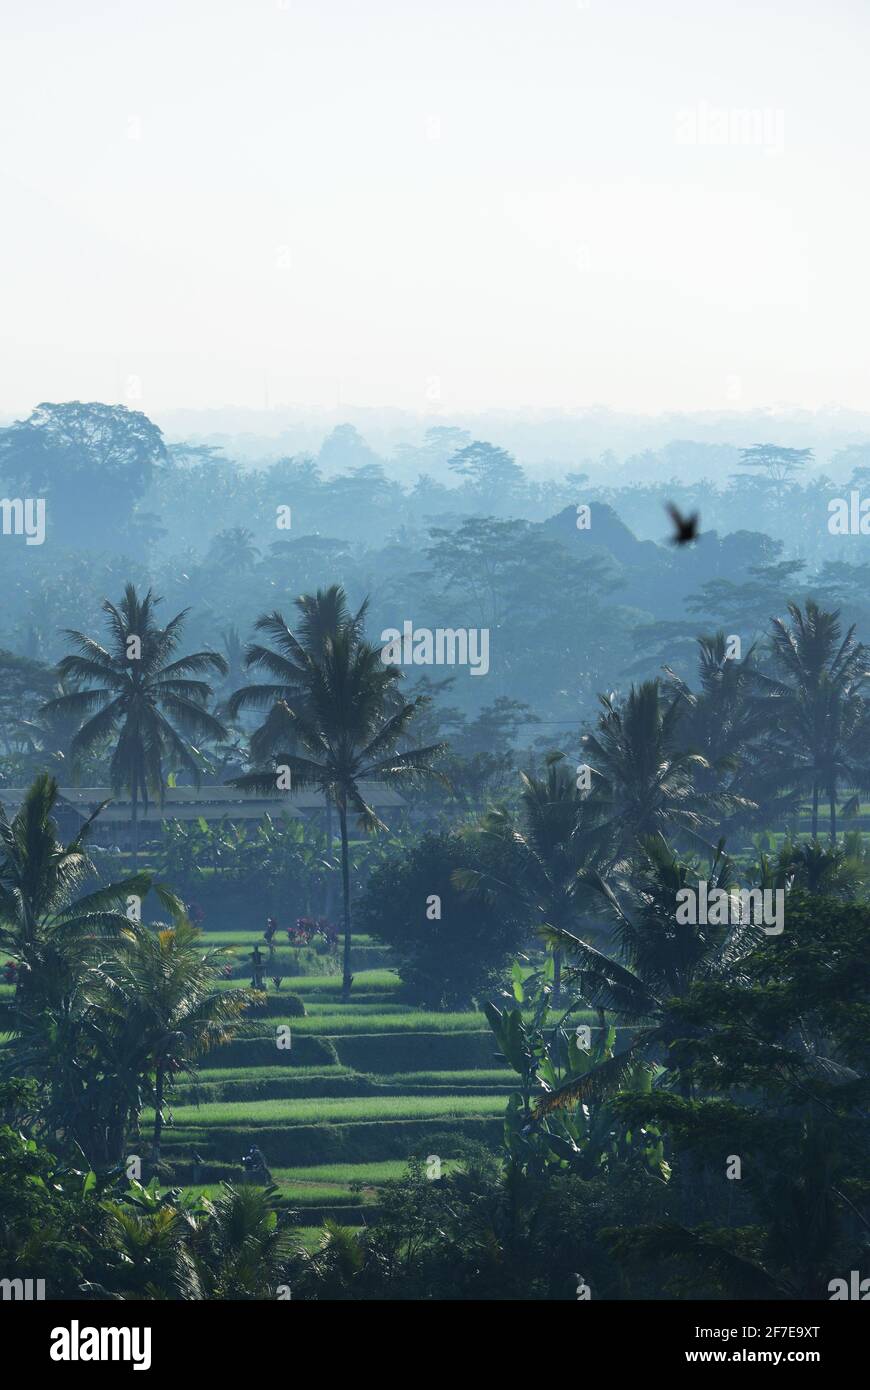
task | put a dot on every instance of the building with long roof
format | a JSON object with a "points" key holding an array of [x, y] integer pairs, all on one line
{"points": [[212, 804]]}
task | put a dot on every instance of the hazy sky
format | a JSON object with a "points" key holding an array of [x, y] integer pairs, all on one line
{"points": [[435, 204]]}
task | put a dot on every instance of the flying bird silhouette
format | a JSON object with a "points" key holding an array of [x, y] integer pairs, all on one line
{"points": [[685, 527]]}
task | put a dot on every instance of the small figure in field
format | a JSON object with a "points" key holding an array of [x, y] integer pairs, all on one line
{"points": [[254, 1165], [270, 933], [257, 963]]}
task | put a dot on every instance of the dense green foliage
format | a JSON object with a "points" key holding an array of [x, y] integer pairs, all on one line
{"points": [[448, 947]]}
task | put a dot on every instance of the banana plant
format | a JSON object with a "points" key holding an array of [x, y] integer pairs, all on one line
{"points": [[547, 1053]]}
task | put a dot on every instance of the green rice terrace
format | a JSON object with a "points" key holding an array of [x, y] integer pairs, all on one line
{"points": [[361, 1088]]}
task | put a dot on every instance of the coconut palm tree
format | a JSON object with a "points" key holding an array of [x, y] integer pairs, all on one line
{"points": [[642, 782], [60, 940], [45, 926], [161, 989], [346, 715], [656, 958], [244, 1247], [235, 655], [48, 737], [233, 550], [723, 721], [133, 692], [836, 870], [817, 707], [545, 848], [146, 1247], [321, 616]]}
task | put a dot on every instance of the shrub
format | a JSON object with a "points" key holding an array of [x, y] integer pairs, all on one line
{"points": [[292, 1005], [455, 954], [276, 1004], [380, 1053], [264, 1052]]}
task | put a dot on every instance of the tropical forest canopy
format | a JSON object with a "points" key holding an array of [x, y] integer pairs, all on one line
{"points": [[539, 970]]}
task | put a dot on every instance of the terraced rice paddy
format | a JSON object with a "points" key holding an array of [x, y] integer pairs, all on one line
{"points": [[362, 1088]]}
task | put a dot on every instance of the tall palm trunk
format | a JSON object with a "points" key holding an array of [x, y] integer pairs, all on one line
{"points": [[555, 1002], [833, 804], [158, 1115], [345, 888], [815, 809], [327, 887]]}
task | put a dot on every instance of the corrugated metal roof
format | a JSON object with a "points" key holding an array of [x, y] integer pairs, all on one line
{"points": [[215, 810], [213, 803]]}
